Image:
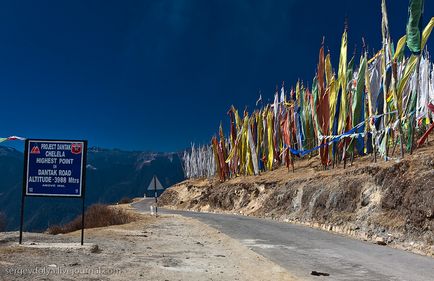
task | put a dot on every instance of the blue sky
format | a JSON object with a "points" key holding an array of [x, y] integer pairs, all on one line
{"points": [[158, 75]]}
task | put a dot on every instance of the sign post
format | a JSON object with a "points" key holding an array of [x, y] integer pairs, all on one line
{"points": [[155, 185], [54, 168]]}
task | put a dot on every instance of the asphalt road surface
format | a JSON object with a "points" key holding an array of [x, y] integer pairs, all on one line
{"points": [[302, 250]]}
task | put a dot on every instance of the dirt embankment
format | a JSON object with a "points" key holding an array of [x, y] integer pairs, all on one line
{"points": [[169, 247], [386, 202]]}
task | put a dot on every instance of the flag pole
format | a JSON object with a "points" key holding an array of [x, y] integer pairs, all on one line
{"points": [[413, 118]]}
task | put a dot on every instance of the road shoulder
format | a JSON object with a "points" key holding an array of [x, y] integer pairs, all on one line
{"points": [[170, 247]]}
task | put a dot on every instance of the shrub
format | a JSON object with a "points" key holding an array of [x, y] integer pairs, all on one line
{"points": [[125, 200], [97, 215], [2, 222]]}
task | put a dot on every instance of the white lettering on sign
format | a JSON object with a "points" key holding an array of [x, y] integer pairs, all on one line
{"points": [[54, 153], [46, 160], [47, 172], [66, 161], [65, 173], [48, 146], [40, 179], [73, 180], [63, 146], [60, 180]]}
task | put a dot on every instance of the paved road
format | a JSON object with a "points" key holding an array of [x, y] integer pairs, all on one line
{"points": [[302, 250]]}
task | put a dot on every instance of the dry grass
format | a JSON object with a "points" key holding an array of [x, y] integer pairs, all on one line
{"points": [[97, 215], [10, 250]]}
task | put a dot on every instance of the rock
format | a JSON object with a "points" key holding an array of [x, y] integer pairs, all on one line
{"points": [[260, 188], [95, 249], [317, 273], [380, 241]]}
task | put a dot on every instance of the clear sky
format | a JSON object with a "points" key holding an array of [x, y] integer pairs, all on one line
{"points": [[158, 75]]}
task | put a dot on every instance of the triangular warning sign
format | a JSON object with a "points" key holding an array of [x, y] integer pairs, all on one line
{"points": [[155, 184], [35, 150]]}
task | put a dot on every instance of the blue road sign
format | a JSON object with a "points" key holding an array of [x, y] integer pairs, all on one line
{"points": [[55, 168]]}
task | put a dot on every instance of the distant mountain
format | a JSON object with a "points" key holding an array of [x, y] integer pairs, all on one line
{"points": [[111, 175]]}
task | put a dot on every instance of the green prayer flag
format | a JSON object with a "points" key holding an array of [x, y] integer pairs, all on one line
{"points": [[413, 26]]}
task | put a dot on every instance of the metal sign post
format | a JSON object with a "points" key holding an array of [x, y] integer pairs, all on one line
{"points": [[156, 196], [54, 168], [155, 185]]}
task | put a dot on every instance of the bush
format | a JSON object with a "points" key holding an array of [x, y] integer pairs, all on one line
{"points": [[125, 200], [97, 215], [2, 222]]}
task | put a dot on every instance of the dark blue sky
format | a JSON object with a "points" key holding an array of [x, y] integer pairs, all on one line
{"points": [[157, 75]]}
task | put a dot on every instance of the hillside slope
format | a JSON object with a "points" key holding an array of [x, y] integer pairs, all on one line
{"points": [[386, 202]]}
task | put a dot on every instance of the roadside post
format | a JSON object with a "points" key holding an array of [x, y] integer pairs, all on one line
{"points": [[54, 168]]}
